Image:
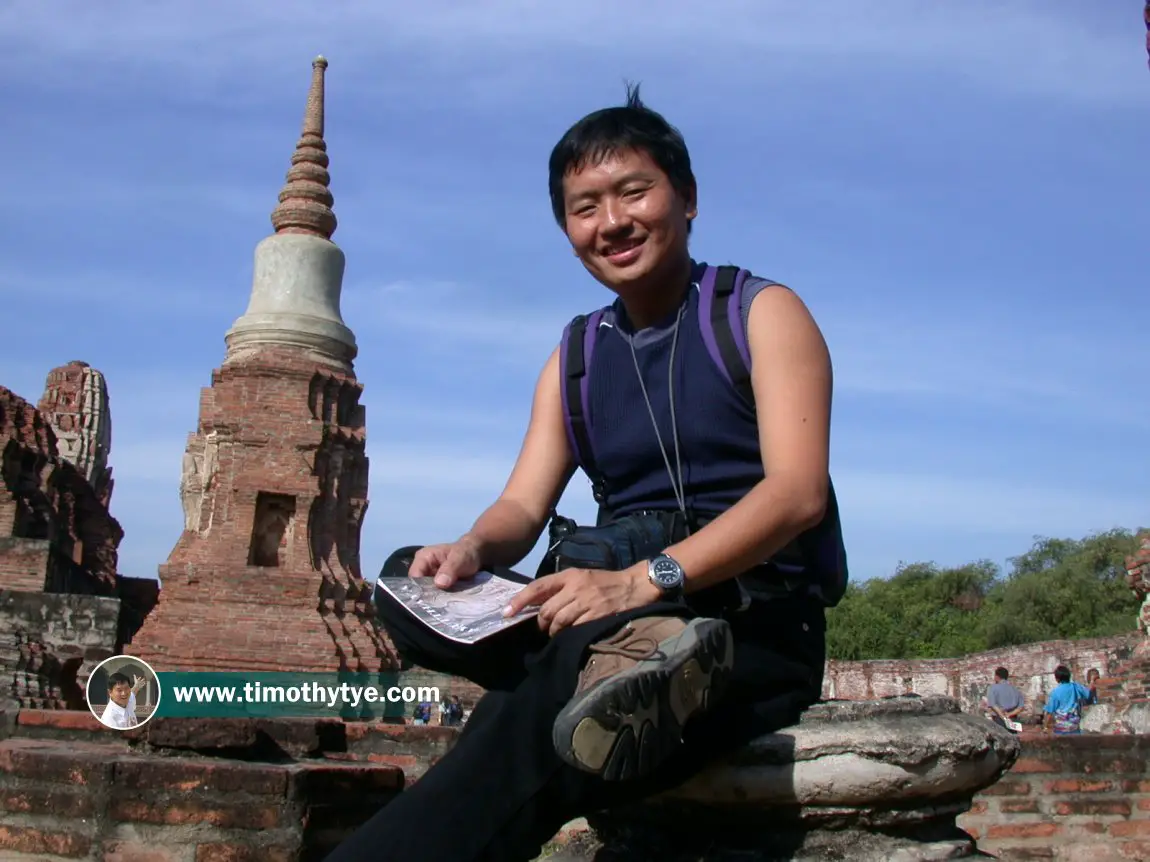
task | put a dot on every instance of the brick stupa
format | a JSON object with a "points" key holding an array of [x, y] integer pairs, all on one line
{"points": [[266, 574]]}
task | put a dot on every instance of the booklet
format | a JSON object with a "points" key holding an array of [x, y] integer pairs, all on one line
{"points": [[469, 611]]}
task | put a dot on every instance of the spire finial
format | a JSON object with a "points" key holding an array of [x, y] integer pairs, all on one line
{"points": [[306, 200]]}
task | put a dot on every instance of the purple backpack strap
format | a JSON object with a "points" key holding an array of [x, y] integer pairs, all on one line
{"points": [[721, 321], [575, 353]]}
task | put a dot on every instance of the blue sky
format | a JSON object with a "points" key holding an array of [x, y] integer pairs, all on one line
{"points": [[958, 191]]}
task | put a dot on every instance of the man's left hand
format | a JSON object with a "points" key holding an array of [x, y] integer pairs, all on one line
{"points": [[576, 596]]}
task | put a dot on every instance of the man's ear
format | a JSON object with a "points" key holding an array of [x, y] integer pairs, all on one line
{"points": [[691, 202]]}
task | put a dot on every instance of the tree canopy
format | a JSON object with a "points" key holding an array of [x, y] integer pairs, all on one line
{"points": [[1059, 589]]}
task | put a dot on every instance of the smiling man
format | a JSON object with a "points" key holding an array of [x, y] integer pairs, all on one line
{"points": [[691, 618]]}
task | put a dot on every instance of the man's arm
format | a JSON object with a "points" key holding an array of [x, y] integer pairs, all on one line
{"points": [[507, 531], [792, 380]]}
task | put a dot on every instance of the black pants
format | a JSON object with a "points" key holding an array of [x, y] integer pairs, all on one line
{"points": [[501, 792]]}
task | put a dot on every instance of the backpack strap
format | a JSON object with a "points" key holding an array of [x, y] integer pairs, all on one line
{"points": [[721, 322], [575, 353]]}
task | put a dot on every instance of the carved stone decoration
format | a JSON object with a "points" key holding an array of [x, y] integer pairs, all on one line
{"points": [[75, 402]]}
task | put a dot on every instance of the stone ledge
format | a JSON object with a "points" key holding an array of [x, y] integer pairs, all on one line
{"points": [[886, 779]]}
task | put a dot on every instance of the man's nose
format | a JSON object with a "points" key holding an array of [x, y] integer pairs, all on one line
{"points": [[616, 218]]}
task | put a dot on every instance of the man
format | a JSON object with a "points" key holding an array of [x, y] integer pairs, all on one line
{"points": [[621, 686], [1063, 712], [1004, 701], [120, 713]]}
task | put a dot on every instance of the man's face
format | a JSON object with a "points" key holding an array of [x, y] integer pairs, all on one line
{"points": [[625, 220], [121, 693]]}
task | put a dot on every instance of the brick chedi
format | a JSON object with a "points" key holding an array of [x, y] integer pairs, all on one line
{"points": [[266, 574]]}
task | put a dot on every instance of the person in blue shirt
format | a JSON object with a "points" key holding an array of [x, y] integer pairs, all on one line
{"points": [[1063, 712]]}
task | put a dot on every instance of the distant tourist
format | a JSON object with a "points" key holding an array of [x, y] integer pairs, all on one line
{"points": [[120, 712], [1005, 701], [422, 714], [1063, 713], [1092, 677], [451, 712]]}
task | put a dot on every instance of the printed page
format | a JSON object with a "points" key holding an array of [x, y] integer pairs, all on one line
{"points": [[468, 612]]}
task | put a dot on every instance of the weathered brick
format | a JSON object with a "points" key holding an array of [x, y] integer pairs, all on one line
{"points": [[56, 801], [47, 760], [21, 839], [1078, 785], [323, 781], [210, 775], [1026, 852], [226, 815], [1139, 850], [59, 719], [1018, 806], [1024, 830], [1093, 807], [222, 852], [131, 851], [1130, 829], [1025, 765], [978, 807]]}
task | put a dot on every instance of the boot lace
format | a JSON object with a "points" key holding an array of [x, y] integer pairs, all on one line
{"points": [[640, 649]]}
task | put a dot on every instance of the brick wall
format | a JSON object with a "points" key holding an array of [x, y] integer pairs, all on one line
{"points": [[966, 678], [49, 644], [1068, 798], [70, 789], [24, 563]]}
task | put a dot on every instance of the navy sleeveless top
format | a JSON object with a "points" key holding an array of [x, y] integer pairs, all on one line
{"points": [[717, 431]]}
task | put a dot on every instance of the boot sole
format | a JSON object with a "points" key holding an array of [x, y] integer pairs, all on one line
{"points": [[625, 727]]}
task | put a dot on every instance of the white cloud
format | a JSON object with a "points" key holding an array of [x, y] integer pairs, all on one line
{"points": [[1024, 47]]}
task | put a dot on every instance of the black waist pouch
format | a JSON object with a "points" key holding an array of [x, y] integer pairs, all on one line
{"points": [[626, 541]]}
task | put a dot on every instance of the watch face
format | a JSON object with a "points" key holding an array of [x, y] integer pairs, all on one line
{"points": [[666, 573]]}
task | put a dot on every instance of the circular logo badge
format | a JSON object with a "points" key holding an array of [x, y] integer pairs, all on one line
{"points": [[123, 692]]}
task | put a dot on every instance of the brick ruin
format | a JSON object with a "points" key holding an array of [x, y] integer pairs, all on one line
{"points": [[63, 605], [1124, 693], [966, 678], [266, 574]]}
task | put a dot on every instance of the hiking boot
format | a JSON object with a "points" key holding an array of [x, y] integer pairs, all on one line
{"points": [[638, 690]]}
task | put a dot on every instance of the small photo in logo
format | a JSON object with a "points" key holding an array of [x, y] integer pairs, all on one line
{"points": [[123, 692]]}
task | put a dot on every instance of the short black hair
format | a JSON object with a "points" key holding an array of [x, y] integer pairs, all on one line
{"points": [[603, 133], [116, 678], [1062, 673], [1002, 673]]}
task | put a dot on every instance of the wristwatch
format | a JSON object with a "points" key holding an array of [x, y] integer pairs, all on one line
{"points": [[665, 573]]}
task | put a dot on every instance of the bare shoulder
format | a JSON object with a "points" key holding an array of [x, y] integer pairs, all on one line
{"points": [[780, 322]]}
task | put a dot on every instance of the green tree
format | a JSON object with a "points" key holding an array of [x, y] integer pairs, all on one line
{"points": [[1060, 588]]}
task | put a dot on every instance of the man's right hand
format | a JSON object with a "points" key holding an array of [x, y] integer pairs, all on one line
{"points": [[447, 563]]}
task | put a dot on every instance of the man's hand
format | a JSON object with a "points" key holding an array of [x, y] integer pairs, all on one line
{"points": [[576, 596], [137, 683], [449, 563]]}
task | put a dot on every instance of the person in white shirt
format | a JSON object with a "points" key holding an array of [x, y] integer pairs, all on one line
{"points": [[120, 713]]}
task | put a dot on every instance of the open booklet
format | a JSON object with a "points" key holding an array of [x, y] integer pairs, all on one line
{"points": [[469, 611]]}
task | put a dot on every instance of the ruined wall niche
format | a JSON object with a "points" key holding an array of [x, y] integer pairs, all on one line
{"points": [[335, 401], [274, 516], [25, 473]]}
